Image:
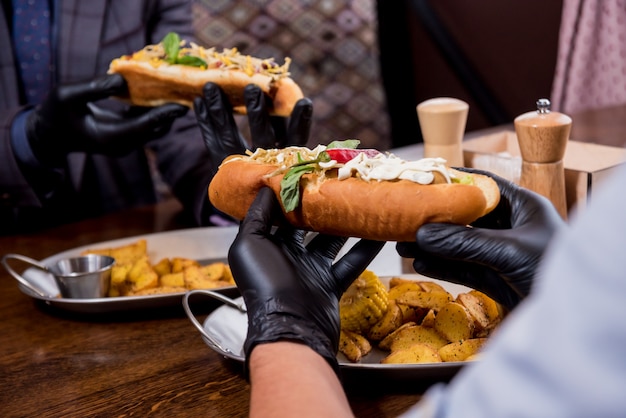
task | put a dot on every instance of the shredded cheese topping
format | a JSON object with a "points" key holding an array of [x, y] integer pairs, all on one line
{"points": [[227, 59]]}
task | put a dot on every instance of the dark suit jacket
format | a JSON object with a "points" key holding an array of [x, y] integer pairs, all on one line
{"points": [[89, 35]]}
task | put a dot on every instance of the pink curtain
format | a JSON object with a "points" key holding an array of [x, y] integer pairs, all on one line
{"points": [[591, 64]]}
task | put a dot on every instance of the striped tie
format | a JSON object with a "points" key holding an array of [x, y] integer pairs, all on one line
{"points": [[31, 34]]}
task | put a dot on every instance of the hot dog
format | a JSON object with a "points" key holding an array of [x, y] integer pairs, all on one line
{"points": [[341, 190], [175, 70]]}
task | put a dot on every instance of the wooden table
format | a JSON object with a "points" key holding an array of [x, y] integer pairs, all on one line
{"points": [[55, 364]]}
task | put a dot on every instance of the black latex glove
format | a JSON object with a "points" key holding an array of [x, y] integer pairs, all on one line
{"points": [[292, 290], [68, 121], [222, 136], [499, 254]]}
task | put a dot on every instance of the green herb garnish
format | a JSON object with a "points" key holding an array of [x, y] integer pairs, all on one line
{"points": [[348, 143], [290, 184], [171, 44]]}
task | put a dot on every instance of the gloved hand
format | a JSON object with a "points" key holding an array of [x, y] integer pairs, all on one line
{"points": [[68, 121], [498, 254], [292, 290], [222, 136]]}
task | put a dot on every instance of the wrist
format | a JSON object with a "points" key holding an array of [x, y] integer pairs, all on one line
{"points": [[283, 374], [266, 327], [20, 143]]}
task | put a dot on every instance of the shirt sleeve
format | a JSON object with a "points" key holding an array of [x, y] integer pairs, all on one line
{"points": [[19, 141], [561, 352]]}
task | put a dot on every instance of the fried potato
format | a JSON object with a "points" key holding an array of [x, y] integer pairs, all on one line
{"points": [[493, 310], [454, 322], [133, 274], [417, 353], [163, 267], [204, 277], [461, 350], [476, 309], [391, 320], [349, 347], [228, 276], [141, 276], [422, 299], [172, 280], [363, 343], [117, 285], [403, 286], [429, 286], [385, 343], [214, 271], [124, 254], [417, 334], [180, 264], [429, 319], [396, 281]]}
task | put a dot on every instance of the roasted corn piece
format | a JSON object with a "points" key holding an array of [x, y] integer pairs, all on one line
{"points": [[364, 303]]}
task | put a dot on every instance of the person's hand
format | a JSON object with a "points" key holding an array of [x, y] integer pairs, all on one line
{"points": [[498, 254], [221, 133], [292, 288], [69, 121]]}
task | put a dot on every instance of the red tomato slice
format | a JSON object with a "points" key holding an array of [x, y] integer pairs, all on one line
{"points": [[343, 155]]}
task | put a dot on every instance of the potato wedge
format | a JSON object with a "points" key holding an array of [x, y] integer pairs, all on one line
{"points": [[476, 308], [395, 281], [163, 267], [124, 254], [228, 276], [492, 309], [349, 347], [417, 353], [385, 343], [461, 350], [119, 272], [172, 280], [402, 287], [363, 343], [429, 319], [429, 286], [422, 299], [454, 322], [417, 334], [213, 271], [181, 263], [141, 276]]}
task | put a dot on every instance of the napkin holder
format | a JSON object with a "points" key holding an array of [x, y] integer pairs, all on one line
{"points": [[586, 164]]}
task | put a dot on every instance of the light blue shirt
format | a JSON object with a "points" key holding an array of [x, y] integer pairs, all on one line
{"points": [[562, 352]]}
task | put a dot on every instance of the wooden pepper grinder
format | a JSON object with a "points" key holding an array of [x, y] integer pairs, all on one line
{"points": [[442, 121], [542, 137]]}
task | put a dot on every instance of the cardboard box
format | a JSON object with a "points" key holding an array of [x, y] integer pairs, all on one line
{"points": [[586, 164]]}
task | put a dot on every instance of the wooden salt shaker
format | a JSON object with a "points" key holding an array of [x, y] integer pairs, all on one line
{"points": [[543, 137], [442, 121]]}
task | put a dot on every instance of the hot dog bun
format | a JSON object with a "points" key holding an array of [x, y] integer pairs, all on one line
{"points": [[154, 80], [377, 210]]}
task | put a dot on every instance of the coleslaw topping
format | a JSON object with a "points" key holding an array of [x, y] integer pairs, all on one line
{"points": [[173, 50], [294, 162]]}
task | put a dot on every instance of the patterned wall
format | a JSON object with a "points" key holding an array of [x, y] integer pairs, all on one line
{"points": [[333, 47]]}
